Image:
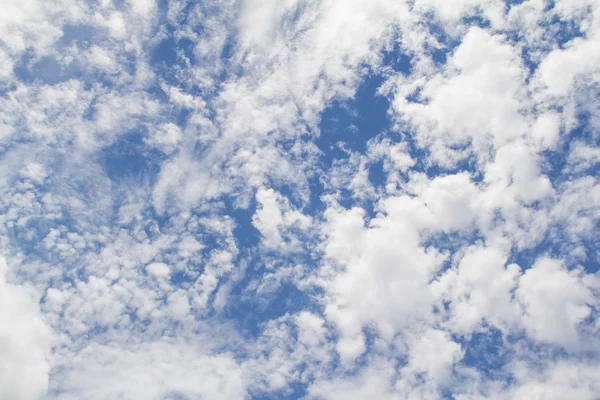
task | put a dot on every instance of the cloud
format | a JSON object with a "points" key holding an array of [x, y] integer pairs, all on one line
{"points": [[25, 339], [153, 370], [299, 199], [548, 286], [274, 217]]}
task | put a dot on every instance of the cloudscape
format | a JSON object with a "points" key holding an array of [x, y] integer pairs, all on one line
{"points": [[299, 199]]}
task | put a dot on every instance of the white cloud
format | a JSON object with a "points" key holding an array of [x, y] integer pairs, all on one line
{"points": [[148, 281], [163, 369], [384, 274], [433, 354], [372, 382], [561, 380], [555, 302], [480, 289], [25, 341], [159, 270], [166, 137], [546, 130], [276, 220], [477, 102]]}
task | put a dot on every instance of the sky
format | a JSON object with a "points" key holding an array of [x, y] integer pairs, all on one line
{"points": [[299, 199]]}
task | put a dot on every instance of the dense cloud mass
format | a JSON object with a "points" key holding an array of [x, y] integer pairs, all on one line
{"points": [[299, 199]]}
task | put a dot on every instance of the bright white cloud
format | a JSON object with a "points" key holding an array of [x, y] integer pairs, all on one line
{"points": [[25, 340]]}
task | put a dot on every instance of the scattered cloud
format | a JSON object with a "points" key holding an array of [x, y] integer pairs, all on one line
{"points": [[313, 199]]}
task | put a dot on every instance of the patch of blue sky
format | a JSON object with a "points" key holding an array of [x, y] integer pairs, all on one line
{"points": [[450, 243], [556, 164], [562, 31], [46, 69], [351, 123], [559, 243], [476, 19], [293, 391], [447, 43], [250, 310], [510, 3], [246, 234], [129, 161], [486, 351], [396, 59], [171, 59], [130, 158]]}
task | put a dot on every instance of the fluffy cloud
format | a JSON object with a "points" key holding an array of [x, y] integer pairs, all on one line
{"points": [[25, 339]]}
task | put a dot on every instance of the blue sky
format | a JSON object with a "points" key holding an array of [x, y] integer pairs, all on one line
{"points": [[299, 199]]}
